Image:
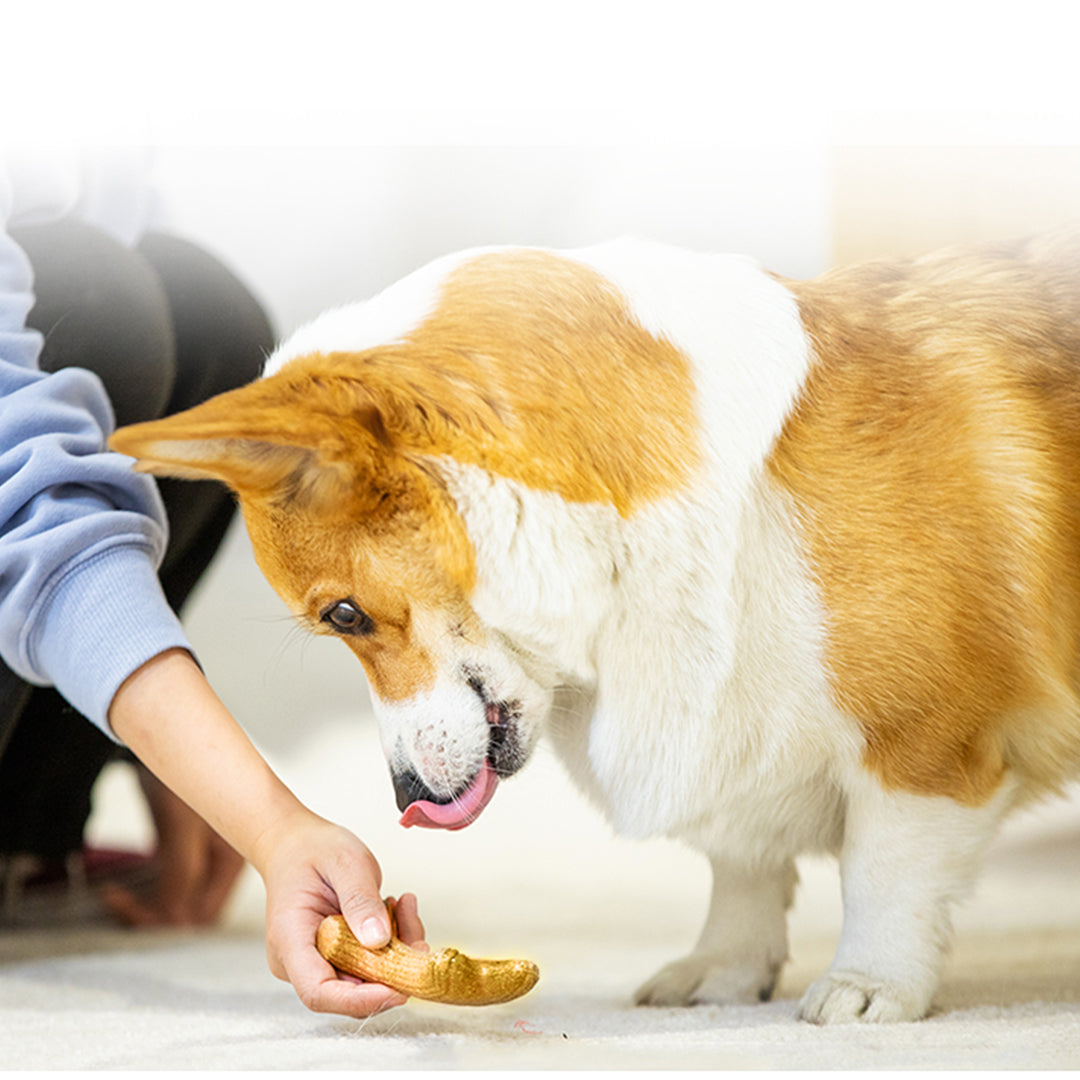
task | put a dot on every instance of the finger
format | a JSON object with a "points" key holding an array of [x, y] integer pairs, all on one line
{"points": [[366, 915], [410, 928], [273, 956], [348, 997], [317, 983]]}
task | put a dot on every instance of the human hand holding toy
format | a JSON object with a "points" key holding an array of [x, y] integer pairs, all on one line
{"points": [[447, 976]]}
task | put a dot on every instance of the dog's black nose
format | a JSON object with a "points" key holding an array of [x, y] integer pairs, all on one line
{"points": [[409, 788]]}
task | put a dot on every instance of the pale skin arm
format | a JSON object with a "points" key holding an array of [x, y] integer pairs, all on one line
{"points": [[172, 720]]}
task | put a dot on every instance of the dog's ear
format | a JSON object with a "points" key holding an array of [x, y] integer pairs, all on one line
{"points": [[262, 439]]}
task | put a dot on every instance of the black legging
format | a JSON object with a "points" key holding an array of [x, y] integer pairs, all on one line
{"points": [[165, 327]]}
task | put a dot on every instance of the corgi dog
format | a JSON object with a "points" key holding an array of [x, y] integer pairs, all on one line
{"points": [[777, 566]]}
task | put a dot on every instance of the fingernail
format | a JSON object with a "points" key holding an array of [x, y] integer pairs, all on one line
{"points": [[372, 933]]}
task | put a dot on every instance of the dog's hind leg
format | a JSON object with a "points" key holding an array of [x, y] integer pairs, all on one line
{"points": [[742, 946], [905, 860]]}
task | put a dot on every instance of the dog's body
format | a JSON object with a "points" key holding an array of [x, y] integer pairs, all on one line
{"points": [[780, 567]]}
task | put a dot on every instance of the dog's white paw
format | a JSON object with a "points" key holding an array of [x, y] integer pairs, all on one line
{"points": [[708, 980], [844, 997]]}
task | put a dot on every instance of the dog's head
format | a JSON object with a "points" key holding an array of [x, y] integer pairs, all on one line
{"points": [[362, 540], [344, 460]]}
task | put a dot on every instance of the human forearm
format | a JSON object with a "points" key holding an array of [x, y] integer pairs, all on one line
{"points": [[172, 720]]}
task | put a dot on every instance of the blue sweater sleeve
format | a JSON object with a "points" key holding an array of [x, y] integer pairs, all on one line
{"points": [[81, 534]]}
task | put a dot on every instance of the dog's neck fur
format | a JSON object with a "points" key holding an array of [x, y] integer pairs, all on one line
{"points": [[594, 604]]}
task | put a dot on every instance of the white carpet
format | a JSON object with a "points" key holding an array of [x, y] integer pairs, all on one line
{"points": [[540, 876]]}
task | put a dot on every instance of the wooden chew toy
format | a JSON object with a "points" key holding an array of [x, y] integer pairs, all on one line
{"points": [[448, 976]]}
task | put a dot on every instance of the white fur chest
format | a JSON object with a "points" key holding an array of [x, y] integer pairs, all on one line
{"points": [[686, 649], [711, 719]]}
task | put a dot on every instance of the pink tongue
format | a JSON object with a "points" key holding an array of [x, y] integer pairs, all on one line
{"points": [[464, 810]]}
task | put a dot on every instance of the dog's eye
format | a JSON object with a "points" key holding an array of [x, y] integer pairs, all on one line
{"points": [[347, 618]]}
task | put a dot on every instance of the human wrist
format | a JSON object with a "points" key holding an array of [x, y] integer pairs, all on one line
{"points": [[284, 829]]}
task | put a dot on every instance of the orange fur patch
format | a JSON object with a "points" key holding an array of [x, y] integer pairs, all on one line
{"points": [[934, 459], [532, 367]]}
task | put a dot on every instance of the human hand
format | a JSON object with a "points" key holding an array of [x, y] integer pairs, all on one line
{"points": [[195, 870], [312, 869]]}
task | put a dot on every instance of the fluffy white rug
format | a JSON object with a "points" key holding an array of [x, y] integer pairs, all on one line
{"points": [[539, 875]]}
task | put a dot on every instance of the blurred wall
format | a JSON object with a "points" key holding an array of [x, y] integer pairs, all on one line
{"points": [[309, 229], [904, 200]]}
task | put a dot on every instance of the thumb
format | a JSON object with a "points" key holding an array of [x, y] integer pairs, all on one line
{"points": [[367, 918]]}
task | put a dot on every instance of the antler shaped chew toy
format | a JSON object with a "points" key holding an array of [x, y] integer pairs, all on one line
{"points": [[448, 976]]}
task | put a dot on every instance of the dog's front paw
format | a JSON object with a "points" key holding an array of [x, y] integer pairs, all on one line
{"points": [[709, 980], [844, 997]]}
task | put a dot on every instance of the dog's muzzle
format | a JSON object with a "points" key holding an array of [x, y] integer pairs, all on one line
{"points": [[505, 755]]}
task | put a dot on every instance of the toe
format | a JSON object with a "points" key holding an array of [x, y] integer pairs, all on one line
{"points": [[848, 997]]}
